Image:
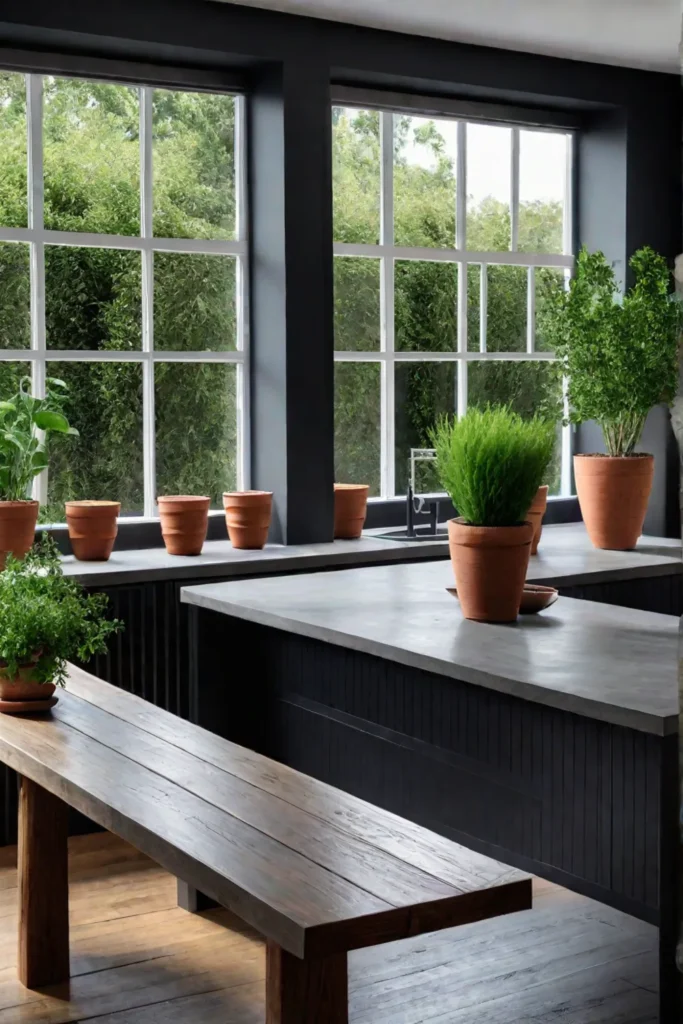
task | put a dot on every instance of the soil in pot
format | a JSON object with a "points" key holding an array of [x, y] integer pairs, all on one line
{"points": [[613, 493], [535, 515], [92, 528], [17, 528], [184, 522], [490, 564], [350, 510], [247, 517]]}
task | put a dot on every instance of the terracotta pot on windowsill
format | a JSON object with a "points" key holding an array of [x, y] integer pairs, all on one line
{"points": [[17, 528], [535, 515], [184, 522], [93, 526], [613, 493], [490, 564], [350, 510], [22, 693], [247, 517]]}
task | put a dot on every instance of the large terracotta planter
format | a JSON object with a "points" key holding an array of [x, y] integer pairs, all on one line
{"points": [[350, 510], [613, 494], [535, 515], [490, 564], [247, 517], [92, 528], [17, 528], [22, 693], [184, 522]]}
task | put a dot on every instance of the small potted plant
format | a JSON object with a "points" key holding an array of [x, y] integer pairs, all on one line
{"points": [[491, 463], [23, 455], [620, 357], [46, 620]]}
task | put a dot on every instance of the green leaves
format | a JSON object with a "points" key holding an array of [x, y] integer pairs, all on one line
{"points": [[22, 456], [492, 462], [43, 612], [620, 355]]}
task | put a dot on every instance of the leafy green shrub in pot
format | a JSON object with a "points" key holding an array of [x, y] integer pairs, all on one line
{"points": [[46, 619], [492, 463], [620, 356], [23, 455]]}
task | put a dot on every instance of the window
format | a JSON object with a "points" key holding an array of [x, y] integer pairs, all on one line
{"points": [[123, 273], [449, 236]]}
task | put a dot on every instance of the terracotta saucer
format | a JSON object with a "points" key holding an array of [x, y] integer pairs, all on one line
{"points": [[534, 599], [26, 707]]}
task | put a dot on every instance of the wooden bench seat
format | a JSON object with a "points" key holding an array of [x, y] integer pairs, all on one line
{"points": [[316, 871]]}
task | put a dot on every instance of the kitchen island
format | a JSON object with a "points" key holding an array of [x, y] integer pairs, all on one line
{"points": [[550, 744]]}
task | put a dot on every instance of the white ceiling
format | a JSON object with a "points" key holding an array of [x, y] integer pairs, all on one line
{"points": [[635, 33]]}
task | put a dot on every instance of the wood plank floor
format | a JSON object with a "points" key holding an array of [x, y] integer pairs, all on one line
{"points": [[137, 959]]}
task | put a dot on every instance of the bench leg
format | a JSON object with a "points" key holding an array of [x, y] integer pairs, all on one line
{"points": [[305, 991], [192, 899], [43, 887]]}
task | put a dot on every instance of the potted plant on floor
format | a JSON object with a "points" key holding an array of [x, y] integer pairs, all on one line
{"points": [[620, 359], [46, 620], [23, 455], [491, 464]]}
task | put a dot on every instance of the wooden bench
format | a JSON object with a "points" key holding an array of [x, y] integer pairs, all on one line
{"points": [[313, 869]]}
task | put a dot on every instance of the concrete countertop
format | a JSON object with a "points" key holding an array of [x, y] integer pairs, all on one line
{"points": [[605, 662], [565, 555]]}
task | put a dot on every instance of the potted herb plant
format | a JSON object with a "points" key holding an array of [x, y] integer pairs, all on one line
{"points": [[620, 357], [491, 463], [23, 455], [46, 620]]}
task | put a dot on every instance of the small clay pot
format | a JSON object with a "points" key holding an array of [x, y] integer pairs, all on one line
{"points": [[184, 522], [613, 493], [350, 510], [490, 564], [535, 515], [23, 687], [17, 528], [92, 528], [247, 517]]}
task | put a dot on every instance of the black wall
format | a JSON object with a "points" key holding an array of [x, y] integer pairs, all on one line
{"points": [[628, 182]]}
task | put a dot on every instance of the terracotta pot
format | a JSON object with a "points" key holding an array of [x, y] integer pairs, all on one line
{"points": [[613, 494], [350, 510], [184, 522], [23, 686], [92, 528], [535, 515], [247, 516], [490, 564], [17, 528]]}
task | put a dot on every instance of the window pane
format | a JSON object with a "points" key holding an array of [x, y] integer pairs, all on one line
{"points": [[507, 309], [356, 304], [424, 392], [548, 281], [357, 424], [13, 167], [91, 156], [356, 174], [196, 429], [105, 405], [15, 295], [194, 302], [426, 306], [542, 183], [474, 273], [527, 387], [92, 298], [489, 155], [424, 181], [194, 165]]}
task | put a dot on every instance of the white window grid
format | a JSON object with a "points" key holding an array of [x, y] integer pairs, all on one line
{"points": [[388, 252], [37, 237]]}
